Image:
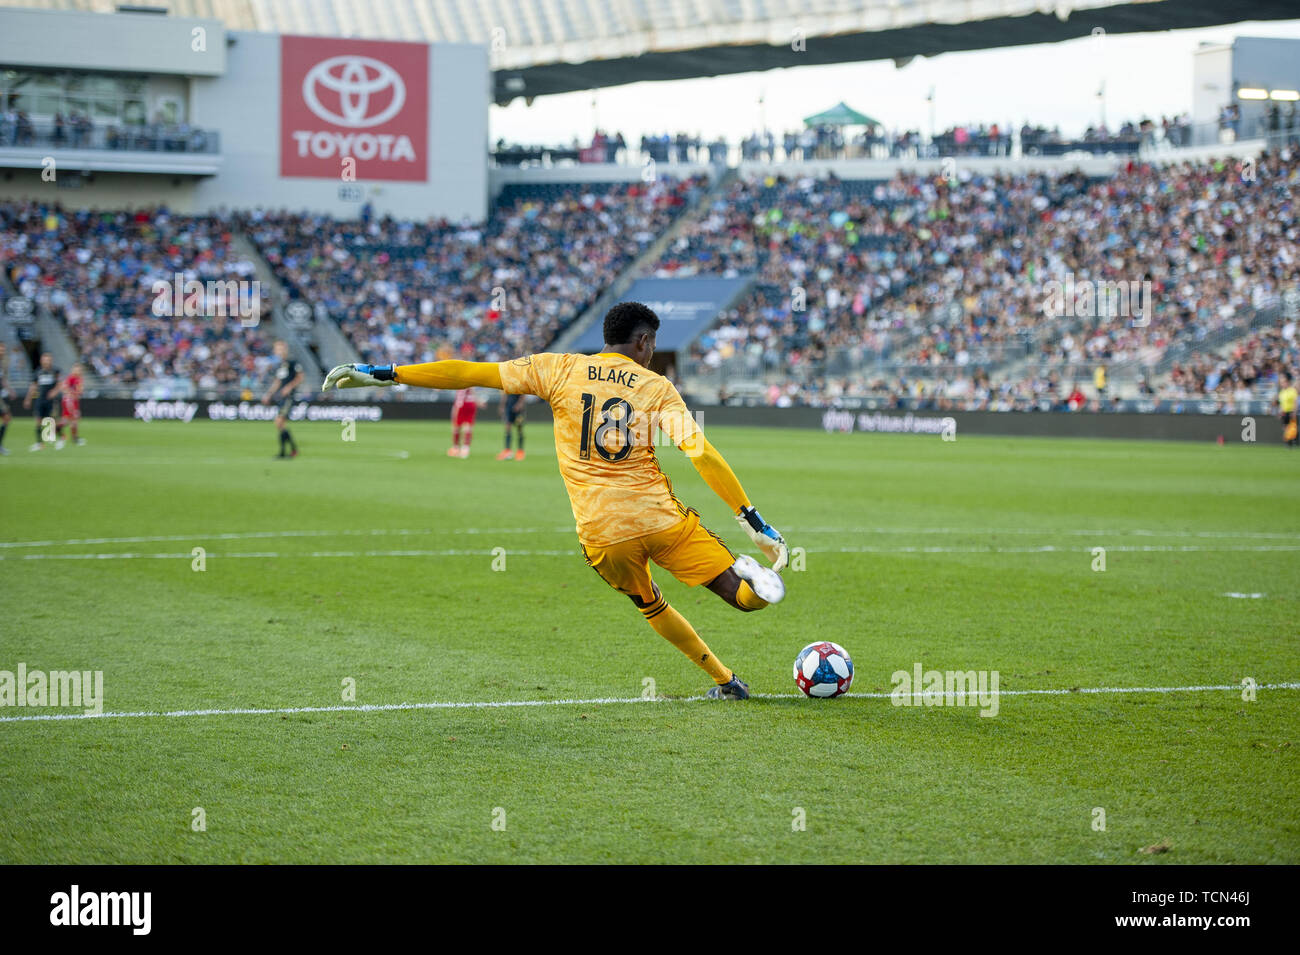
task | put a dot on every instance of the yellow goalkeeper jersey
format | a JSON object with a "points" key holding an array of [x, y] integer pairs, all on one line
{"points": [[608, 411]]}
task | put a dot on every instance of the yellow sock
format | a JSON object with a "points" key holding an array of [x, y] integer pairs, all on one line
{"points": [[746, 597], [678, 631]]}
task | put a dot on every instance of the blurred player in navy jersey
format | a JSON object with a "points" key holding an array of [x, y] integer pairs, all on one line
{"points": [[513, 413], [5, 416], [44, 389], [288, 376]]}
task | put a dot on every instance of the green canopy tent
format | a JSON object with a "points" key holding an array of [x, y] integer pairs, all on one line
{"points": [[840, 115]]}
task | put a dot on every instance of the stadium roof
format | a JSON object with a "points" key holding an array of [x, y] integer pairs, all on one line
{"points": [[540, 47]]}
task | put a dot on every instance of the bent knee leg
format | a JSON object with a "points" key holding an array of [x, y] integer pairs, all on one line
{"points": [[735, 592]]}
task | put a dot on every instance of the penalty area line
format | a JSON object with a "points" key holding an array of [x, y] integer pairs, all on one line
{"points": [[595, 701]]}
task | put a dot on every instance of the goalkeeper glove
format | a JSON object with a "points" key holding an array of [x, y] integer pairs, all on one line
{"points": [[767, 538], [359, 376]]}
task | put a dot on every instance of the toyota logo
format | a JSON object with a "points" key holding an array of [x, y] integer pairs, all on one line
{"points": [[356, 81]]}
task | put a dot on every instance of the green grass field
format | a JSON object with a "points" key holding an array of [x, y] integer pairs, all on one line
{"points": [[372, 561]]}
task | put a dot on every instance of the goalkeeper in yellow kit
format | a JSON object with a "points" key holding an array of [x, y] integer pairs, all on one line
{"points": [[607, 408]]}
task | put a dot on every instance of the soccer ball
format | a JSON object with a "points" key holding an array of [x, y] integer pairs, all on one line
{"points": [[823, 670]]}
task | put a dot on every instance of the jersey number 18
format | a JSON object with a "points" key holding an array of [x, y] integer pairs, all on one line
{"points": [[615, 414]]}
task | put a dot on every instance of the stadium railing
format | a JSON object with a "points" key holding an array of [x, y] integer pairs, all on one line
{"points": [[126, 138], [893, 145]]}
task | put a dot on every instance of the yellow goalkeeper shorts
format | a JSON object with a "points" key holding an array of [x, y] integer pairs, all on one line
{"points": [[687, 550]]}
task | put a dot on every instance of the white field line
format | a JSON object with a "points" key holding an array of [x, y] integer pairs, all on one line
{"points": [[275, 555], [291, 555], [275, 535], [598, 701], [1047, 532], [406, 532]]}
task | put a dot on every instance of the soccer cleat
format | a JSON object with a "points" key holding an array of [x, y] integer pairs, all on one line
{"points": [[765, 582], [293, 453], [505, 455], [519, 455], [36, 447], [4, 450], [735, 689], [464, 450], [453, 452], [79, 441], [58, 445]]}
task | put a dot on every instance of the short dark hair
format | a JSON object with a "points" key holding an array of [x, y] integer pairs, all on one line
{"points": [[626, 319]]}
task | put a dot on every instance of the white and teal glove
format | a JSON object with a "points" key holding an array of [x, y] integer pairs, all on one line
{"points": [[766, 537], [359, 376]]}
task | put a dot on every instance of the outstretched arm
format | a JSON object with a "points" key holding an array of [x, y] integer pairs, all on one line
{"points": [[451, 374], [716, 472], [722, 480]]}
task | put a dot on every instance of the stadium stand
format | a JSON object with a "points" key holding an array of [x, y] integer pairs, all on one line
{"points": [[1235, 372], [919, 289], [942, 282], [411, 291], [852, 272], [822, 142], [96, 272]]}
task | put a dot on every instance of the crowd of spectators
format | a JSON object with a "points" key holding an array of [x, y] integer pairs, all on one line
{"points": [[860, 272], [74, 130], [412, 291], [974, 392], [16, 128], [1214, 243], [849, 142], [402, 290], [1246, 371], [940, 278], [683, 148], [967, 140], [1240, 370], [77, 131], [948, 275], [97, 271]]}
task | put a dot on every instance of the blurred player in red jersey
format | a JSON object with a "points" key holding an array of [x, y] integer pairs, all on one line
{"points": [[463, 411], [70, 412]]}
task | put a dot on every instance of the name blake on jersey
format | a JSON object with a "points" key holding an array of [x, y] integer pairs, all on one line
{"points": [[619, 376]]}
